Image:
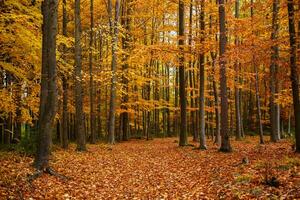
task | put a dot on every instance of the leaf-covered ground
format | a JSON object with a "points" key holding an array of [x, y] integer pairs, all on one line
{"points": [[157, 169]]}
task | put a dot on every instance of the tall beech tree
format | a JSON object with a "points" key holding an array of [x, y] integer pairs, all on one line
{"points": [[48, 95], [65, 83], [126, 22], [183, 141], [238, 129], [202, 79], [259, 119], [294, 71], [274, 107], [225, 141], [114, 32], [80, 130], [92, 92]]}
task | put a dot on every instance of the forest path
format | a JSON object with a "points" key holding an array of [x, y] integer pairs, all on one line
{"points": [[156, 169]]}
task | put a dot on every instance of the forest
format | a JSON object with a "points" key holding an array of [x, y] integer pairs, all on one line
{"points": [[150, 99]]}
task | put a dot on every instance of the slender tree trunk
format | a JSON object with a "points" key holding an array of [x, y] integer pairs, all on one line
{"points": [[289, 123], [202, 82], [48, 98], [259, 122], [168, 101], [216, 102], [114, 31], [225, 141], [182, 94], [80, 130], [99, 111], [273, 74], [191, 74], [92, 110], [65, 85], [294, 72], [17, 132], [126, 22], [236, 89]]}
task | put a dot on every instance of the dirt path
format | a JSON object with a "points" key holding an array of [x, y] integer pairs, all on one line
{"points": [[156, 169]]}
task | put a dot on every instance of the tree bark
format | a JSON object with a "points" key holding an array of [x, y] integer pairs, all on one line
{"points": [[92, 110], [202, 81], [236, 89], [114, 31], [273, 74], [48, 96], [216, 102], [294, 72], [126, 47], [182, 93], [80, 130], [259, 118], [225, 141], [65, 85]]}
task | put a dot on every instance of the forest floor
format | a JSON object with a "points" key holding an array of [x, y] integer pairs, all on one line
{"points": [[157, 169]]}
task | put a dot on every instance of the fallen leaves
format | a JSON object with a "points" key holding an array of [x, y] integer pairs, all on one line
{"points": [[156, 169]]}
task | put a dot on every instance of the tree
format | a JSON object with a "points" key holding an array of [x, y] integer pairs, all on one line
{"points": [[294, 71], [225, 141], [202, 81], [48, 95], [260, 127], [182, 93], [274, 108], [92, 110], [114, 31], [126, 21], [65, 85], [80, 131], [236, 89]]}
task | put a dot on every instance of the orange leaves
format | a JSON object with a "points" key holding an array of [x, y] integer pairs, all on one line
{"points": [[155, 169], [7, 103]]}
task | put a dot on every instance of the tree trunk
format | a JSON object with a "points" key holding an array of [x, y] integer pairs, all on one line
{"points": [[18, 130], [92, 111], [114, 31], [65, 86], [259, 122], [202, 82], [126, 47], [294, 72], [225, 141], [80, 130], [216, 102], [48, 96], [273, 74], [236, 89], [182, 94]]}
